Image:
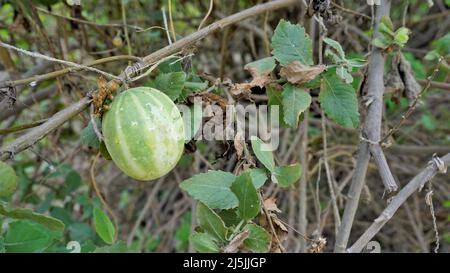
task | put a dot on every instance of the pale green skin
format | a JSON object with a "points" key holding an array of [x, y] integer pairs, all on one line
{"points": [[144, 133]]}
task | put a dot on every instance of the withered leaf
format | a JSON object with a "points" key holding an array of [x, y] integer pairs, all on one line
{"points": [[239, 145], [393, 82], [297, 73], [281, 231], [412, 87], [270, 205], [245, 88]]}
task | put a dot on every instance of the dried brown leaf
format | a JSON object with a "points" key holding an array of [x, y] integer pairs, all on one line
{"points": [[278, 223], [412, 87], [297, 73], [270, 205], [245, 88], [239, 145]]}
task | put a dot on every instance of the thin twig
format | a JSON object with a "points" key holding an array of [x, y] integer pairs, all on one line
{"points": [[429, 202], [100, 196], [21, 127], [125, 28], [211, 6], [172, 27], [150, 28], [38, 78], [166, 26], [434, 84], [351, 11], [51, 59], [34, 135]]}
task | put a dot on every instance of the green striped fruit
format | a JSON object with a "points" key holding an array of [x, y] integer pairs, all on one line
{"points": [[144, 133]]}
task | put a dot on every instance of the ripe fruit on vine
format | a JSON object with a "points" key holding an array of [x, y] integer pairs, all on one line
{"points": [[144, 133], [8, 180]]}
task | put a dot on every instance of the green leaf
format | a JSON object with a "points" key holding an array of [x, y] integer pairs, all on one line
{"points": [[432, 55], [203, 243], [62, 214], [381, 42], [275, 99], [71, 183], [258, 240], [336, 46], [338, 100], [342, 73], [249, 203], [21, 213], [87, 246], [192, 121], [26, 236], [387, 22], [440, 46], [119, 247], [170, 65], [285, 176], [183, 232], [212, 189], [446, 204], [333, 56], [263, 153], [61, 170], [385, 30], [428, 122], [357, 62], [103, 226], [195, 83], [258, 176], [80, 232], [295, 102], [170, 83], [211, 223], [89, 137], [290, 43], [402, 36], [230, 217], [261, 67], [8, 181]]}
